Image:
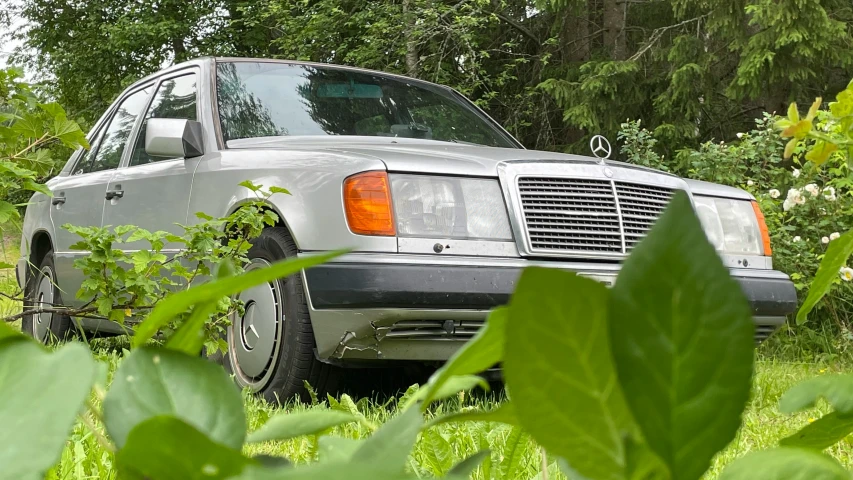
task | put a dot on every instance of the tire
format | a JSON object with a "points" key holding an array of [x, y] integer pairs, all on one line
{"points": [[271, 346], [47, 328]]}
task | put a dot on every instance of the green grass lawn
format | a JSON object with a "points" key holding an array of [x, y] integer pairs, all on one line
{"points": [[763, 426], [9, 252]]}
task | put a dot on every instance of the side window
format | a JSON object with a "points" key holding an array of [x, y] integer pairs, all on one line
{"points": [[86, 158], [175, 98], [110, 146]]}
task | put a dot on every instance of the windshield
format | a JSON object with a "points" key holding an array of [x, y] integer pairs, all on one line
{"points": [[263, 99]]}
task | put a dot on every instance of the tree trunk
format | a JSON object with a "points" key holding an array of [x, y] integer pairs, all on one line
{"points": [[179, 49], [412, 56], [614, 28]]}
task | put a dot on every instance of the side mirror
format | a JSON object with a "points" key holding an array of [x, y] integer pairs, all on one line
{"points": [[173, 138]]}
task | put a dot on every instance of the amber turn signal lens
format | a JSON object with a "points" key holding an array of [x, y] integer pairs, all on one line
{"points": [[367, 201], [762, 225]]}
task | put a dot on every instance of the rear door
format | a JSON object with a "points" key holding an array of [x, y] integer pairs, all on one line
{"points": [[154, 192], [78, 198]]}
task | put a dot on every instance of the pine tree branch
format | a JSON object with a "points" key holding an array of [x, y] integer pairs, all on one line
{"points": [[658, 33]]}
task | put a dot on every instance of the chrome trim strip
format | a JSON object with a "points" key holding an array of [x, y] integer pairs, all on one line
{"points": [[619, 216]]}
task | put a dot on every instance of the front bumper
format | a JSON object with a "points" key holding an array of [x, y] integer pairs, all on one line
{"points": [[415, 307]]}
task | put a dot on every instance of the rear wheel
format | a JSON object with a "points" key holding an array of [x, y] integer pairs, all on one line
{"points": [[271, 346], [42, 292]]}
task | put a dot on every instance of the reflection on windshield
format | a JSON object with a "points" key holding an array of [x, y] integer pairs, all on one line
{"points": [[259, 99]]}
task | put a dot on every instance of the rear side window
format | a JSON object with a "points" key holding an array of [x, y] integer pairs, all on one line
{"points": [[107, 154], [175, 98]]}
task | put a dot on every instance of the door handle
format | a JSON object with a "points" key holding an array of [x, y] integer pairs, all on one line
{"points": [[58, 200], [114, 194]]}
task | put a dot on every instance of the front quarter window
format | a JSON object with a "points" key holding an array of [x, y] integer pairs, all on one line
{"points": [[263, 99]]}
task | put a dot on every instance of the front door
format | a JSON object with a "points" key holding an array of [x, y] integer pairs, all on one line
{"points": [[78, 198], [154, 192]]}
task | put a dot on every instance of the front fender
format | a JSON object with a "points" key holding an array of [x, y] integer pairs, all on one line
{"points": [[313, 213]]}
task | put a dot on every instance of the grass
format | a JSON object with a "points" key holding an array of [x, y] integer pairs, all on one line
{"points": [[9, 253], [763, 427], [777, 370]]}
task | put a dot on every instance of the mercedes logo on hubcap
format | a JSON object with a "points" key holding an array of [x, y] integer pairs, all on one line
{"points": [[247, 329], [600, 147]]}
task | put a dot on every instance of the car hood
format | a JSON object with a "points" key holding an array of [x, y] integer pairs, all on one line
{"points": [[422, 156], [445, 158]]}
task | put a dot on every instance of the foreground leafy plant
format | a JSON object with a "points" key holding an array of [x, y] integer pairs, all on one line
{"points": [[646, 380]]}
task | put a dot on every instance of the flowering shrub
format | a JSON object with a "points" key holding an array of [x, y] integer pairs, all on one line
{"points": [[805, 208]]}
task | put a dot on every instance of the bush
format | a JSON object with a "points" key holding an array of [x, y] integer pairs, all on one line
{"points": [[805, 207]]}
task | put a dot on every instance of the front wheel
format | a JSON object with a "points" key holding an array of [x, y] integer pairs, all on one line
{"points": [[271, 346], [42, 292]]}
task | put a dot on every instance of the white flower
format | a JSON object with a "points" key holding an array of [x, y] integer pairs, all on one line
{"points": [[787, 204], [824, 240], [829, 193], [739, 135], [846, 273], [795, 197], [812, 189], [797, 238], [796, 173], [834, 235], [750, 183], [774, 193]]}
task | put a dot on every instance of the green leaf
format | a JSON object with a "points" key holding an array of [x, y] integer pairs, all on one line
{"points": [[436, 452], [275, 189], [482, 352], [166, 448], [836, 256], [448, 388], [69, 133], [513, 452], [179, 303], [140, 260], [28, 184], [8, 332], [505, 413], [820, 152], [5, 266], [151, 382], [643, 464], [836, 389], [53, 109], [467, 467], [7, 212], [793, 113], [391, 443], [559, 340], [785, 463], [41, 394], [285, 426], [334, 449], [821, 434], [189, 338], [682, 338], [251, 186]]}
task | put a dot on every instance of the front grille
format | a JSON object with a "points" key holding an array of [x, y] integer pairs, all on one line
{"points": [[588, 216]]}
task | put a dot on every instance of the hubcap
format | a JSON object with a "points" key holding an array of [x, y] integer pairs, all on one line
{"points": [[44, 298], [254, 338]]}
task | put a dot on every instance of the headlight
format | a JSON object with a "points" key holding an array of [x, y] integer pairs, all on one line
{"points": [[449, 207], [732, 226]]}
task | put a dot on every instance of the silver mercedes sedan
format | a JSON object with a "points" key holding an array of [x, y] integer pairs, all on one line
{"points": [[441, 207]]}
